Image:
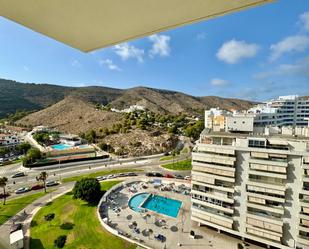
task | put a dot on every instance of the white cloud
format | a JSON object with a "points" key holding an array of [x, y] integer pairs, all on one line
{"points": [[304, 19], [126, 51], [234, 51], [76, 63], [298, 68], [160, 46], [218, 82], [297, 43], [110, 64]]}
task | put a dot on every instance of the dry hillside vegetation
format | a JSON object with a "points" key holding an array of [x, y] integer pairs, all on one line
{"points": [[71, 115]]}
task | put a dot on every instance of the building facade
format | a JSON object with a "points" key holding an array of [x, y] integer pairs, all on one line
{"points": [[283, 111], [253, 184], [9, 140]]}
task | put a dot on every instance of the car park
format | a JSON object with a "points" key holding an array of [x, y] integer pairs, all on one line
{"points": [[18, 174], [22, 190], [52, 183]]}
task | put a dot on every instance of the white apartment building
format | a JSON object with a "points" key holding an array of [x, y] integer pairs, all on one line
{"points": [[253, 183], [289, 110], [9, 140]]}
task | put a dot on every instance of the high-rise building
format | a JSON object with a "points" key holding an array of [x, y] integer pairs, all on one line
{"points": [[253, 182], [284, 111]]}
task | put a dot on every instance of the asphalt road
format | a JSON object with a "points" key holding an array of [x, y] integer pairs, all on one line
{"points": [[60, 171]]}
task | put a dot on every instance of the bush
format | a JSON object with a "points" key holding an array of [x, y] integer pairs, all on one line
{"points": [[87, 189], [60, 241], [49, 217]]}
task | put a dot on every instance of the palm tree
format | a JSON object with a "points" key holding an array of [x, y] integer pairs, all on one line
{"points": [[3, 181], [43, 177]]}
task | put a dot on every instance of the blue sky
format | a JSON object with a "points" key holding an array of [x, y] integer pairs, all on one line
{"points": [[255, 54]]}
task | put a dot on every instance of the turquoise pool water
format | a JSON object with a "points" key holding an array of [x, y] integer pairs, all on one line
{"points": [[156, 203], [61, 146], [137, 200]]}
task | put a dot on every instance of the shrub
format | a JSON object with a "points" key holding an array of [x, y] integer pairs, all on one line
{"points": [[87, 189], [60, 241], [49, 217]]}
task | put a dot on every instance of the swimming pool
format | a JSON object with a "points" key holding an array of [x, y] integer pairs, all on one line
{"points": [[61, 146], [136, 201], [156, 203]]}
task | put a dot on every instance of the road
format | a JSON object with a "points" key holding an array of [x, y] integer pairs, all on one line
{"points": [[60, 171]]}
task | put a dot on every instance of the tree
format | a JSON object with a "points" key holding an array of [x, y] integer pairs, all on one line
{"points": [[60, 241], [87, 189], [24, 147], [90, 136], [42, 177], [32, 156], [3, 181]]}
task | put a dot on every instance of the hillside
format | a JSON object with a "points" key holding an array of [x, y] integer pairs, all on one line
{"points": [[71, 115], [34, 97]]}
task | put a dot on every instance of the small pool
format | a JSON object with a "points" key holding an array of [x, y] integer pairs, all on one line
{"points": [[156, 203], [136, 201], [61, 146]]}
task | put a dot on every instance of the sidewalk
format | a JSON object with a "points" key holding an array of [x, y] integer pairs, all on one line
{"points": [[31, 210]]}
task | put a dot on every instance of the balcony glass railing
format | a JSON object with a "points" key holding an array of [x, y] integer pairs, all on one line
{"points": [[272, 182], [208, 210], [264, 215]]}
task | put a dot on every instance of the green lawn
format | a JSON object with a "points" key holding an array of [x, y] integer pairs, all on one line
{"points": [[12, 207], [77, 220], [100, 173], [166, 158], [181, 165]]}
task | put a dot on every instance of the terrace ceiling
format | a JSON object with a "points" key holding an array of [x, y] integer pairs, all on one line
{"points": [[93, 24]]}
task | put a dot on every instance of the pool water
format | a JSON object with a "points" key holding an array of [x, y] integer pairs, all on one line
{"points": [[61, 146], [162, 205], [156, 203], [137, 200]]}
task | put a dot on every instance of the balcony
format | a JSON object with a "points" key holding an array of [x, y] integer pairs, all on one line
{"points": [[265, 217]]}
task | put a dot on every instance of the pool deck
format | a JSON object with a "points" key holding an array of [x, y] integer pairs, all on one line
{"points": [[176, 230]]}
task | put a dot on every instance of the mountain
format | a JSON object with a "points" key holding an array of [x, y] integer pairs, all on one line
{"points": [[72, 115], [34, 97]]}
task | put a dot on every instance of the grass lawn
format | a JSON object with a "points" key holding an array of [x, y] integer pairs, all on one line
{"points": [[77, 220], [12, 207], [166, 158], [182, 165], [100, 173]]}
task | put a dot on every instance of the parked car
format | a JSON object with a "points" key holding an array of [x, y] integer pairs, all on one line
{"points": [[121, 175], [132, 174], [19, 174], [52, 183], [169, 176], [22, 190], [157, 174], [111, 177], [15, 227], [101, 178], [179, 177], [149, 174], [37, 186], [187, 178]]}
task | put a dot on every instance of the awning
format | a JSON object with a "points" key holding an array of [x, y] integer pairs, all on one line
{"points": [[93, 24], [16, 236], [277, 141]]}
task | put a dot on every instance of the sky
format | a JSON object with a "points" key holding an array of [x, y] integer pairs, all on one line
{"points": [[256, 54]]}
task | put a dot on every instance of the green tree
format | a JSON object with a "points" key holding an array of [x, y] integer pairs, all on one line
{"points": [[24, 147], [91, 136], [43, 177], [60, 241], [87, 189], [3, 181]]}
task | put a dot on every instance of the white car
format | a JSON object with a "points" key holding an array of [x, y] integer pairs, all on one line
{"points": [[22, 190]]}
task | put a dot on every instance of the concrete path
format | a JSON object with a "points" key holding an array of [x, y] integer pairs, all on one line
{"points": [[31, 210]]}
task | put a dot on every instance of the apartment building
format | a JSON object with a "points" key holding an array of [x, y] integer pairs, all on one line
{"points": [[253, 182], [289, 110], [9, 140]]}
